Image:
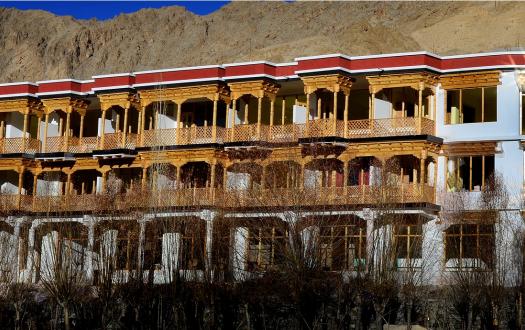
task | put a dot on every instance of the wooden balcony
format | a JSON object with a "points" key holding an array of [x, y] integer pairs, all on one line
{"points": [[19, 145], [195, 135], [218, 197]]}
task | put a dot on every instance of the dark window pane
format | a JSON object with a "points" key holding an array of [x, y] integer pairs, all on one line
{"points": [[471, 101], [453, 107], [490, 104]]}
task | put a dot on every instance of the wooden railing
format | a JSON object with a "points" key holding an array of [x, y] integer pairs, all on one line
{"points": [[218, 197], [365, 128], [16, 145]]}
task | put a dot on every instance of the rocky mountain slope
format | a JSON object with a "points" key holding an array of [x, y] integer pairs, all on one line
{"points": [[36, 45]]}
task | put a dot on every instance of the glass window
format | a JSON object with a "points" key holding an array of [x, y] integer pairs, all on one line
{"points": [[342, 247], [470, 245], [490, 102], [471, 105], [470, 172]]}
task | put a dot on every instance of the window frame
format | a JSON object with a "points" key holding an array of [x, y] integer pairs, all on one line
{"points": [[483, 170], [448, 114], [348, 237], [411, 238], [262, 245], [478, 235]]}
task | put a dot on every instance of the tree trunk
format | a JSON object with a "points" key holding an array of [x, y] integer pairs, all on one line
{"points": [[17, 320], [66, 317], [469, 316], [409, 314], [248, 325]]}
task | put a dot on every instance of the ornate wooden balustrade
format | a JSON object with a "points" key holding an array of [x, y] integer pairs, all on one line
{"points": [[218, 197], [16, 145], [365, 128]]}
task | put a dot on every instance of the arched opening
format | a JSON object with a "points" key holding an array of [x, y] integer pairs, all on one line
{"points": [[321, 173], [172, 245], [283, 174], [336, 242], [242, 176], [61, 247]]}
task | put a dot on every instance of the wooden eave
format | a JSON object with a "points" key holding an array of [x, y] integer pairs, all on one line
{"points": [[469, 148], [470, 80]]}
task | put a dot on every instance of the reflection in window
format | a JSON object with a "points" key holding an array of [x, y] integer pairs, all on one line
{"points": [[471, 105], [470, 246], [408, 238], [265, 246], [342, 247], [469, 173]]}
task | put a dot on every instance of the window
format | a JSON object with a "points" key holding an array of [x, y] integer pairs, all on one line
{"points": [[127, 253], [265, 247], [469, 172], [469, 246], [522, 114], [471, 105], [342, 247], [408, 240], [192, 251]]}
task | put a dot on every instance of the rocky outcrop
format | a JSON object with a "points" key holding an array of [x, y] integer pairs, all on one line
{"points": [[36, 45]]}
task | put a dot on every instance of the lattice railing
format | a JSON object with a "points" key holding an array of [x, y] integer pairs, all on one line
{"points": [[54, 144], [15, 145], [160, 137], [8, 203], [194, 197], [286, 133], [195, 135], [248, 132], [427, 126], [112, 141], [321, 128], [388, 127]]}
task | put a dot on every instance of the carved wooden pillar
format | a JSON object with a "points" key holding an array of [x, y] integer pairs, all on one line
{"points": [[66, 133], [44, 142], [144, 177], [39, 119], [234, 109], [125, 128], [68, 183], [283, 110], [259, 116], [35, 184], [212, 175], [214, 119], [20, 185], [142, 124], [24, 131], [179, 110], [246, 109], [307, 128], [420, 107], [81, 131], [335, 112], [371, 111], [102, 128], [319, 105], [345, 115]]}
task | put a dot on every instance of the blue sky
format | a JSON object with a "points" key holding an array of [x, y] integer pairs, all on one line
{"points": [[109, 9]]}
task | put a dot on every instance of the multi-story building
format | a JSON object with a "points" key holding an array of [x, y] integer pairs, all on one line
{"points": [[258, 144]]}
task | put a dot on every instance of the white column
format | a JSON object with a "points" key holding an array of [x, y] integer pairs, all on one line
{"points": [[239, 252], [90, 252], [170, 255], [209, 217]]}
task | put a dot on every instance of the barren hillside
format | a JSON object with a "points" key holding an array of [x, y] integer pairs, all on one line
{"points": [[36, 45]]}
